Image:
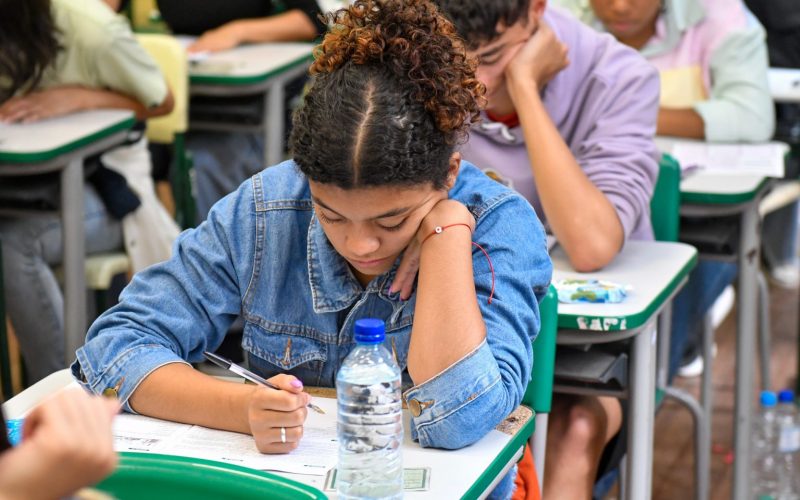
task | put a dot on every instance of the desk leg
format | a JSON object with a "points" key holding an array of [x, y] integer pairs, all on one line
{"points": [[745, 347], [74, 255], [641, 400], [273, 123]]}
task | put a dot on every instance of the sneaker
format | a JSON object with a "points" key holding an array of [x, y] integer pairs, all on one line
{"points": [[786, 276], [694, 368], [722, 306]]}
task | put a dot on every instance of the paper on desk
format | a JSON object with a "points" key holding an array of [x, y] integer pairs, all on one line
{"points": [[316, 454], [193, 57], [765, 159]]}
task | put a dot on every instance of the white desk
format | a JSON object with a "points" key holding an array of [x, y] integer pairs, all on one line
{"points": [[784, 84], [251, 70], [471, 472], [61, 144], [656, 271]]}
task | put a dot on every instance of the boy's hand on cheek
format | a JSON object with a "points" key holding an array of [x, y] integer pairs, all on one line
{"points": [[541, 58], [444, 213]]}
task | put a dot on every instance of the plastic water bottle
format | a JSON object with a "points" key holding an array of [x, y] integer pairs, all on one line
{"points": [[766, 473], [370, 419], [788, 434]]}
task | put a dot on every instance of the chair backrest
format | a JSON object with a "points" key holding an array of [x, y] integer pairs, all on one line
{"points": [[170, 56], [666, 200], [141, 11], [539, 394]]}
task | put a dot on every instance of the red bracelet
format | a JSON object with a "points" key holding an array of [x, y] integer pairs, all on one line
{"points": [[440, 229]]}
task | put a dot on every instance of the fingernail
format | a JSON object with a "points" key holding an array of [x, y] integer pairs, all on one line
{"points": [[297, 384]]}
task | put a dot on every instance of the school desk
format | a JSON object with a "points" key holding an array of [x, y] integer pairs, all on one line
{"points": [[704, 195], [656, 271], [248, 70], [784, 84], [471, 472], [60, 145]]}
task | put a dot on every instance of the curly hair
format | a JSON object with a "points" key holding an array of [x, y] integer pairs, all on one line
{"points": [[477, 20], [393, 93], [28, 44]]}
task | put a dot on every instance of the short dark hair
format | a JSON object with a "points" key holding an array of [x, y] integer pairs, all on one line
{"points": [[393, 93], [476, 20], [28, 44]]}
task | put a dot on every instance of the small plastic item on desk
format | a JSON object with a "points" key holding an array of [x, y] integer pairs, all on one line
{"points": [[14, 430], [573, 291]]}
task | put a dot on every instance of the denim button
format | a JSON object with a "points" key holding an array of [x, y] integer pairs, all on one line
{"points": [[415, 407], [110, 393]]}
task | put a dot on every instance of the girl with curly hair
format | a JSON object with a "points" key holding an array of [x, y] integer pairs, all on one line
{"points": [[374, 216]]}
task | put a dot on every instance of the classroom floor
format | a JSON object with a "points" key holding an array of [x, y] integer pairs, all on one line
{"points": [[673, 474]]}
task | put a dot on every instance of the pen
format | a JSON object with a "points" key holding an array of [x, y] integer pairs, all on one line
{"points": [[247, 374]]}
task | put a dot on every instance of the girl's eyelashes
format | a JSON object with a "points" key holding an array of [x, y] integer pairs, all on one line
{"points": [[327, 220], [396, 227]]}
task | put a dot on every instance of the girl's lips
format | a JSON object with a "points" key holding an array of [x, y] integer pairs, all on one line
{"points": [[368, 263]]}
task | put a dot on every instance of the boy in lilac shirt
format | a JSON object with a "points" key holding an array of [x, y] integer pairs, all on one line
{"points": [[569, 124]]}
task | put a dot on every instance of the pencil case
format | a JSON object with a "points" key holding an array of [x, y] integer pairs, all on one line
{"points": [[573, 291]]}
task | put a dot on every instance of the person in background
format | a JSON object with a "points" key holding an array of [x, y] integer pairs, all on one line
{"points": [[569, 124], [223, 160], [712, 58], [59, 57], [66, 444], [375, 216]]}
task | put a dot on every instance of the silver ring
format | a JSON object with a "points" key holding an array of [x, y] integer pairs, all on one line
{"points": [[283, 434]]}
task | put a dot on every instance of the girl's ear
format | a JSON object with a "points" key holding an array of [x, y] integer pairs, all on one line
{"points": [[452, 170]]}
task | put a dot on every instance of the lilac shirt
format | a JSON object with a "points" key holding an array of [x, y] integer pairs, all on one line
{"points": [[605, 105]]}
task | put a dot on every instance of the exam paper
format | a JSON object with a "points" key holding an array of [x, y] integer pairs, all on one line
{"points": [[765, 159], [316, 454]]}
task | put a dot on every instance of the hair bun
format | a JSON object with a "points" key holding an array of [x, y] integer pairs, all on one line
{"points": [[415, 42]]}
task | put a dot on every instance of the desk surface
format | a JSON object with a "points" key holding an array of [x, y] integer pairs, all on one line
{"points": [[42, 141], [249, 64], [654, 270], [454, 473], [709, 188], [784, 84]]}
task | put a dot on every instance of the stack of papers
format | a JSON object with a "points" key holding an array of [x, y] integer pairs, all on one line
{"points": [[765, 159]]}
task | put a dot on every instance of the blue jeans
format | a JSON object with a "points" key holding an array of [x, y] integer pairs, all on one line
{"points": [[31, 246], [690, 306]]}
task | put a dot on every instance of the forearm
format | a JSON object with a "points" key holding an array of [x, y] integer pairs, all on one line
{"points": [[684, 122], [88, 98], [582, 218], [293, 25], [447, 320], [180, 393]]}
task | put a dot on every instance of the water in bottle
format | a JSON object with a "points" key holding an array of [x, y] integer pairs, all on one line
{"points": [[766, 473], [788, 436], [370, 420]]}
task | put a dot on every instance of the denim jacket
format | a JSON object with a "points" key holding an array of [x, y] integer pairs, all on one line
{"points": [[262, 254]]}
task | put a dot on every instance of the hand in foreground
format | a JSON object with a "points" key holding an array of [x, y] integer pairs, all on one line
{"points": [[444, 213], [270, 411], [67, 444]]}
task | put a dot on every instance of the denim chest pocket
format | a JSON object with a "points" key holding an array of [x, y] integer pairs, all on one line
{"points": [[398, 337], [273, 352]]}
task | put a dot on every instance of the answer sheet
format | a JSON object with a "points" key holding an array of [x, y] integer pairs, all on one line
{"points": [[765, 159], [316, 454]]}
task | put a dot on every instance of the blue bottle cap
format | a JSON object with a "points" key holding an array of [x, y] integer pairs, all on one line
{"points": [[370, 331], [768, 399], [786, 396]]}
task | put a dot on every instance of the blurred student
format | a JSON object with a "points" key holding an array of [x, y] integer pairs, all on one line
{"points": [[66, 444], [712, 58], [59, 57], [569, 124]]}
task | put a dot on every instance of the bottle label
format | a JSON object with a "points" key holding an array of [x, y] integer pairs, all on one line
{"points": [[789, 441]]}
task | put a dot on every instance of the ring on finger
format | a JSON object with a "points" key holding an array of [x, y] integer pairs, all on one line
{"points": [[283, 435]]}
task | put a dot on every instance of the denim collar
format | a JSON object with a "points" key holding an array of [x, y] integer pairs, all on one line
{"points": [[333, 285]]}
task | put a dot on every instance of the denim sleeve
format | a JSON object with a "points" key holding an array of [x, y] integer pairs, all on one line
{"points": [[173, 311], [468, 399]]}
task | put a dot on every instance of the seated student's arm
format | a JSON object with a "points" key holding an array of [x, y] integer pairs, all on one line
{"points": [[470, 361], [168, 316], [298, 23], [590, 207], [740, 107], [127, 78]]}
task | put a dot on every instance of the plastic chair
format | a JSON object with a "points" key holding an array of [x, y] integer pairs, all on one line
{"points": [[539, 394]]}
